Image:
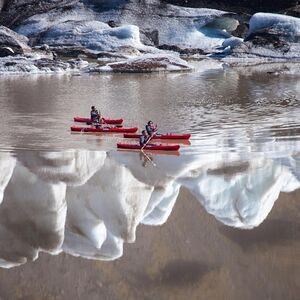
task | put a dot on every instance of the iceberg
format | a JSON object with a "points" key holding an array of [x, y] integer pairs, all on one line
{"points": [[148, 63], [286, 25], [92, 35], [270, 36], [184, 27], [16, 43], [156, 24]]}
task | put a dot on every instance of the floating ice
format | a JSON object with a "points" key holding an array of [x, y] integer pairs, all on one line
{"points": [[148, 63], [38, 65]]}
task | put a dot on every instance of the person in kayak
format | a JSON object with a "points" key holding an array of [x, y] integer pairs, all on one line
{"points": [[95, 115], [151, 128], [143, 138]]}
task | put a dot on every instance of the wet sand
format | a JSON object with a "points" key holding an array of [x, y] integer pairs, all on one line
{"points": [[192, 256]]}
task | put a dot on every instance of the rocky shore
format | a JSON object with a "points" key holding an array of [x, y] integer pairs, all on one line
{"points": [[97, 36]]}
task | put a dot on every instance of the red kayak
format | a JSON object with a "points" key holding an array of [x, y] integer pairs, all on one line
{"points": [[104, 129], [168, 136], [104, 121], [149, 147]]}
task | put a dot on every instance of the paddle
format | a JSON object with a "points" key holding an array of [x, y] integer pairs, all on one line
{"points": [[153, 163], [147, 141]]}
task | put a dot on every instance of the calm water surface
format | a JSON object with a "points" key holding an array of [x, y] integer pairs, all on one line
{"points": [[217, 220], [225, 110]]}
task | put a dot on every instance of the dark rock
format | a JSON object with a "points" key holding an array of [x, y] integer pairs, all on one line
{"points": [[264, 38], [102, 5], [110, 55], [15, 11], [73, 52], [293, 11], [44, 47], [10, 63], [1, 4], [149, 37], [241, 30], [6, 51], [239, 6], [79, 52], [267, 44], [16, 42], [112, 24], [185, 51]]}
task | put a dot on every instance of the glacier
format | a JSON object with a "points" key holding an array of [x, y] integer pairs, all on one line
{"points": [[126, 31]]}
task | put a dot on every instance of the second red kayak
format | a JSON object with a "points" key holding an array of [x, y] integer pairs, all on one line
{"points": [[104, 120], [149, 147], [168, 136], [104, 129]]}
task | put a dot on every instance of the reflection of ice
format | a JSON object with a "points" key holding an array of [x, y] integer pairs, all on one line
{"points": [[72, 167], [32, 218], [106, 196], [7, 164], [161, 204], [242, 199], [111, 203]]}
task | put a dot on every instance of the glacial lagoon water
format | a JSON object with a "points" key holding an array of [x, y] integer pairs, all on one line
{"points": [[218, 220]]}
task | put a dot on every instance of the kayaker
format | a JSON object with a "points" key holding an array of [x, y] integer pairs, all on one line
{"points": [[95, 115], [151, 128], [143, 138]]}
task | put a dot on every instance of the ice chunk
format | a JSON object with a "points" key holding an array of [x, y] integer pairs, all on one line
{"points": [[93, 35], [279, 23], [148, 63]]}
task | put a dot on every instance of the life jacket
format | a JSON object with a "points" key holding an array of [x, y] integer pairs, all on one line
{"points": [[143, 140], [94, 115], [150, 129]]}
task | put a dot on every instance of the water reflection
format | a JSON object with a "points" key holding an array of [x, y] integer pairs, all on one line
{"points": [[89, 203]]}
